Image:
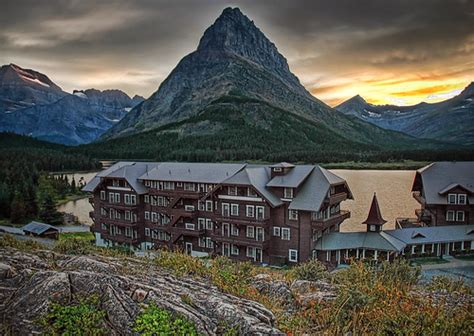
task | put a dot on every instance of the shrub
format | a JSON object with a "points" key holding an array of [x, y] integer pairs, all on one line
{"points": [[8, 240], [311, 270], [81, 318], [231, 277], [444, 283], [73, 246], [157, 321], [181, 264]]}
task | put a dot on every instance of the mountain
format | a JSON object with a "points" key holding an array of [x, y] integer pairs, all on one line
{"points": [[451, 120], [25, 87], [236, 72], [32, 104]]}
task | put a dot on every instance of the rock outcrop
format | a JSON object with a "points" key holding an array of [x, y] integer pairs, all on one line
{"points": [[29, 282]]}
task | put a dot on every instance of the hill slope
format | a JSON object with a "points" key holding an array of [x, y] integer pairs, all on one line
{"points": [[235, 59], [451, 120]]}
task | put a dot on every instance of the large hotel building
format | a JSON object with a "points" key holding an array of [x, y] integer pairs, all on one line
{"points": [[264, 213]]}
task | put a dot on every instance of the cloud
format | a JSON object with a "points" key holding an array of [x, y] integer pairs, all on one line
{"points": [[337, 49]]}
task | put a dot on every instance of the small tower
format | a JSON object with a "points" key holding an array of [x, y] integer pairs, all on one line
{"points": [[374, 220]]}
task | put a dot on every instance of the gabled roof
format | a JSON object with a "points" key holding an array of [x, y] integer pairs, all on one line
{"points": [[282, 165], [433, 234], [193, 172], [315, 189], [353, 240], [455, 185], [130, 171], [292, 179], [375, 216], [439, 177], [258, 178], [38, 227]]}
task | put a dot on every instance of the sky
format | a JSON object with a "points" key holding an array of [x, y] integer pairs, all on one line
{"points": [[390, 52]]}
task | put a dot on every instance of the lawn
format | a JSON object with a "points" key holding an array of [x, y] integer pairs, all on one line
{"points": [[428, 261], [88, 236]]}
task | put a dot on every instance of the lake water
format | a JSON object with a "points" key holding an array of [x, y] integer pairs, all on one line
{"points": [[392, 188]]}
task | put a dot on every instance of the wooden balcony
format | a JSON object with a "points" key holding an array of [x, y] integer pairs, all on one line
{"points": [[338, 218], [241, 220], [241, 241], [177, 193], [423, 215], [420, 199], [118, 222], [119, 238], [336, 198]]}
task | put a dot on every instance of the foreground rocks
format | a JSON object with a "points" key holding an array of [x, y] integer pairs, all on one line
{"points": [[30, 281]]}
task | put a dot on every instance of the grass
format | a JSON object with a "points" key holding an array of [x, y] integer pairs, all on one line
{"points": [[397, 165], [465, 257], [86, 236], [428, 261]]}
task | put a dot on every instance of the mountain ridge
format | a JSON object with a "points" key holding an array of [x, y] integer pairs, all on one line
{"points": [[450, 120]]}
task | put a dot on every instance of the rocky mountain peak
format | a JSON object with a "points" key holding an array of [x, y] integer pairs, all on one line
{"points": [[468, 90], [233, 32]]}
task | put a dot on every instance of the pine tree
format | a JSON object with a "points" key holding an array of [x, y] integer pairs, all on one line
{"points": [[48, 212], [18, 209], [73, 186]]}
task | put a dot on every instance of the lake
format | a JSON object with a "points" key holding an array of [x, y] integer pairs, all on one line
{"points": [[392, 188]]}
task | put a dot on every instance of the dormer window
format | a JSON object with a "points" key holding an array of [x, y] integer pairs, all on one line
{"points": [[288, 193], [251, 192], [452, 198], [462, 198], [116, 183], [277, 170], [232, 191]]}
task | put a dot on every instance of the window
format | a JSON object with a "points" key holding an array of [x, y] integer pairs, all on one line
{"points": [[209, 206], [250, 211], [209, 225], [168, 185], [260, 212], [116, 183], [288, 193], [147, 232], [153, 234], [133, 199], [234, 209], [154, 217], [103, 226], [201, 223], [225, 210], [128, 215], [160, 201], [285, 233], [461, 198], [147, 215], [251, 192], [103, 212], [276, 231], [189, 208], [450, 215], [250, 232], [372, 228], [460, 216], [234, 250], [452, 198], [251, 252], [189, 226], [277, 170], [202, 242], [201, 206], [126, 198], [147, 183], [165, 220], [128, 232], [189, 186], [103, 195], [293, 214], [179, 184], [259, 234], [234, 230], [293, 255], [209, 242], [111, 197], [146, 199], [232, 191]]}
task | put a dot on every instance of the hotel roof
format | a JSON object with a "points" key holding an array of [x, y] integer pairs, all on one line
{"points": [[440, 177]]}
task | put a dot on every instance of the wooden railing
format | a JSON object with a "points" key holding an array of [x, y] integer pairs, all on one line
{"points": [[334, 219]]}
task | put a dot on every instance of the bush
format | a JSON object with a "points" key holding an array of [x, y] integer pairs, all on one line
{"points": [[8, 240], [231, 277], [181, 264], [311, 270], [444, 283], [73, 246], [81, 318], [157, 321]]}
